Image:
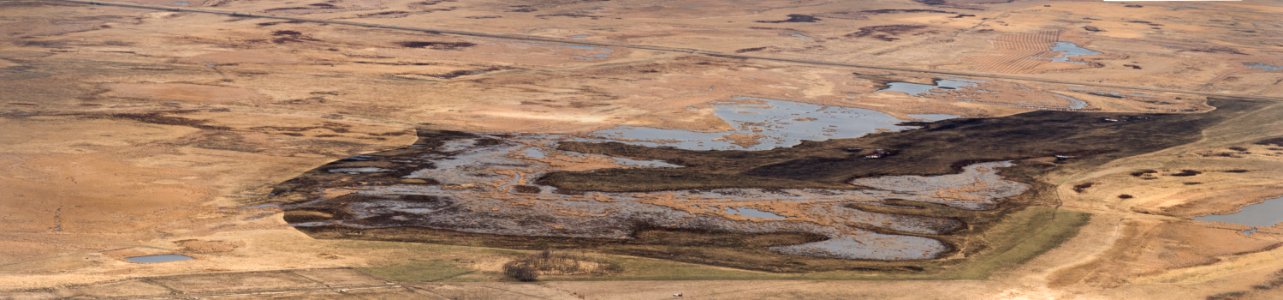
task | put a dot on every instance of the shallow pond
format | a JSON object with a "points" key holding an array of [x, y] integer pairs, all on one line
{"points": [[533, 152], [762, 124], [357, 170], [752, 213], [592, 53], [149, 259], [1264, 214], [917, 89], [1074, 103], [870, 246], [1261, 66], [932, 117], [1068, 50], [643, 163]]}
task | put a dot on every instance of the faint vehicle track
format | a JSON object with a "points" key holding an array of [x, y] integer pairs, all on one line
{"points": [[1020, 53]]}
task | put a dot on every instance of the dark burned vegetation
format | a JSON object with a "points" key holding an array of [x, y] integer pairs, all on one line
{"points": [[885, 32], [461, 73], [905, 11], [1278, 141], [938, 148], [527, 189], [1273, 283], [1219, 49], [942, 147], [386, 14], [730, 249], [436, 45], [1145, 174], [289, 36], [1082, 187], [545, 263], [795, 18], [161, 118]]}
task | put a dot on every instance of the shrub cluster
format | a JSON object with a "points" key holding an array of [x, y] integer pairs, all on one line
{"points": [[546, 262]]}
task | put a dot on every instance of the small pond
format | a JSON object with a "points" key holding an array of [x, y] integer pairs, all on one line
{"points": [[932, 117], [1261, 66], [1074, 103], [1068, 50], [160, 258], [1264, 214], [918, 89], [762, 124], [752, 213]]}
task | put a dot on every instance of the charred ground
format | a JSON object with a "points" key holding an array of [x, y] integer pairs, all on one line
{"points": [[1038, 142], [1073, 139]]}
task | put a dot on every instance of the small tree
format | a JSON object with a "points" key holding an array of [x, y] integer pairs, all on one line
{"points": [[521, 271]]}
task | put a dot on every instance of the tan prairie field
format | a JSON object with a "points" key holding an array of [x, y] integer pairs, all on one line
{"points": [[152, 127]]}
